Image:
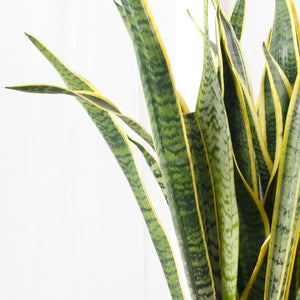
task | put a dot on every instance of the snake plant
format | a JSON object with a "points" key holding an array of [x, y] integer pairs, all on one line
{"points": [[229, 169]]}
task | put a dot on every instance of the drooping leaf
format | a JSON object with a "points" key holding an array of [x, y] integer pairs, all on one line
{"points": [[211, 115], [95, 98], [120, 146], [106, 105], [171, 145], [285, 223]]}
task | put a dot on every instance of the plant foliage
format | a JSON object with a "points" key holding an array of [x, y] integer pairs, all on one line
{"points": [[229, 170]]}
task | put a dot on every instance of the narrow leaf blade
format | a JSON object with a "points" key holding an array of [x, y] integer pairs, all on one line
{"points": [[211, 115]]}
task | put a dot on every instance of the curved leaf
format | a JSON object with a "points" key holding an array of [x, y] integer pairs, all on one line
{"points": [[120, 146], [258, 275]]}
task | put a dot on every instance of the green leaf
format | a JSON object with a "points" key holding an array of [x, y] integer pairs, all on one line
{"points": [[171, 145], [211, 115], [212, 44], [284, 41], [120, 146], [205, 195], [153, 165], [237, 18], [255, 286], [254, 224], [106, 105], [236, 54], [239, 67], [95, 98], [285, 223], [274, 106], [298, 295], [277, 99]]}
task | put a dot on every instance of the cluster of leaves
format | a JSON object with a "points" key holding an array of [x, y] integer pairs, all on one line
{"points": [[230, 170]]}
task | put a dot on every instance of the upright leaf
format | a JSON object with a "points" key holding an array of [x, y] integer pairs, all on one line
{"points": [[285, 223], [205, 195], [239, 67], [237, 18], [211, 115], [254, 224], [284, 40], [171, 145]]}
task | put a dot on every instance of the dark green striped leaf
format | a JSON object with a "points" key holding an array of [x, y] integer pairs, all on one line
{"points": [[237, 18], [238, 65], [236, 54], [254, 224], [170, 141], [205, 195], [211, 115], [283, 40], [95, 98], [285, 223], [153, 165], [212, 44], [256, 284], [103, 104], [120, 146]]}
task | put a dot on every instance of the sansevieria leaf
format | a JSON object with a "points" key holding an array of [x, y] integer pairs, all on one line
{"points": [[106, 105], [205, 195], [238, 64], [254, 224], [237, 18], [211, 115], [171, 145], [284, 41], [285, 223], [120, 146]]}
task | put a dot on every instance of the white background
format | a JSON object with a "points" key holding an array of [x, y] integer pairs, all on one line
{"points": [[69, 225]]}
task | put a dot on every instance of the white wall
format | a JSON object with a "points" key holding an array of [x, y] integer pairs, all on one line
{"points": [[69, 225]]}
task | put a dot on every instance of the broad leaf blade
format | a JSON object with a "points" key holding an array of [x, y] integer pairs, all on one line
{"points": [[211, 115], [205, 195], [171, 145], [285, 223]]}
